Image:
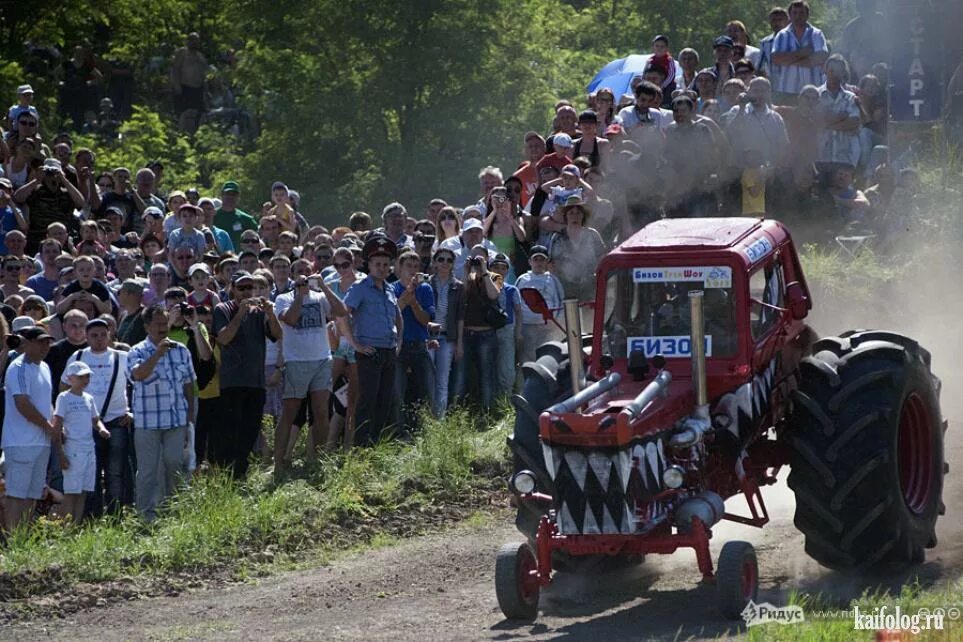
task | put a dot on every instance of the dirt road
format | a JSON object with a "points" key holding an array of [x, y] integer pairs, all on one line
{"points": [[439, 587]]}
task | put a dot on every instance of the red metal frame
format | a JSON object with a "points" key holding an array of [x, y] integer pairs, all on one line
{"points": [[661, 540]]}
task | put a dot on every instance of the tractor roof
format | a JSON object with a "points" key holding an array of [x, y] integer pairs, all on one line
{"points": [[750, 238]]}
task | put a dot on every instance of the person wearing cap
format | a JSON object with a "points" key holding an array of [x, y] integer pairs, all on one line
{"points": [[75, 413], [23, 106], [242, 325], [472, 234], [560, 154], [229, 217], [200, 277], [590, 144], [798, 54], [50, 198], [28, 437], [108, 387], [569, 184], [535, 330], [375, 332], [162, 379], [508, 336]]}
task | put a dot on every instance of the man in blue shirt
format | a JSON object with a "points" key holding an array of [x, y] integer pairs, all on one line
{"points": [[417, 303], [375, 333]]}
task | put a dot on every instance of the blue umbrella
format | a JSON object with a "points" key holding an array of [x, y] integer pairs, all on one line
{"points": [[618, 74]]}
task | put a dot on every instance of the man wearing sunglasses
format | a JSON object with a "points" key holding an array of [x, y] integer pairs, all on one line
{"points": [[10, 278], [241, 325]]}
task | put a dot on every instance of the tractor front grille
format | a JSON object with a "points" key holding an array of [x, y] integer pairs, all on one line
{"points": [[606, 490]]}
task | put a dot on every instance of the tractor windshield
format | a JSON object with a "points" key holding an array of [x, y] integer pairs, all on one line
{"points": [[648, 309]]}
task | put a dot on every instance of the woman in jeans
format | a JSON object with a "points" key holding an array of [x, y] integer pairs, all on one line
{"points": [[449, 325], [481, 293]]}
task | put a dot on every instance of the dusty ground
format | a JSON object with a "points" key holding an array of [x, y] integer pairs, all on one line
{"points": [[440, 587]]}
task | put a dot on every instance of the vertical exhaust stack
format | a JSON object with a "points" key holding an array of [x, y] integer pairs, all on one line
{"points": [[698, 338], [573, 331]]}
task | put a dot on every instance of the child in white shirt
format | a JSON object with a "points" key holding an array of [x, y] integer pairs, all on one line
{"points": [[76, 415]]}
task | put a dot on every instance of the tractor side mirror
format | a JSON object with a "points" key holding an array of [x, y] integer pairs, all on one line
{"points": [[536, 303], [796, 300]]}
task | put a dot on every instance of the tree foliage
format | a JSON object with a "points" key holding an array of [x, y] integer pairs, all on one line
{"points": [[364, 102]]}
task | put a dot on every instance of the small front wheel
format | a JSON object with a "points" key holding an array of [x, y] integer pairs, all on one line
{"points": [[737, 578], [516, 582]]}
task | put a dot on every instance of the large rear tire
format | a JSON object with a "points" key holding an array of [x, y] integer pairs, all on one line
{"points": [[867, 451]]}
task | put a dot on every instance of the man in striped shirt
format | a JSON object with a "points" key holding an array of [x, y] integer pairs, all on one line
{"points": [[798, 54], [162, 376]]}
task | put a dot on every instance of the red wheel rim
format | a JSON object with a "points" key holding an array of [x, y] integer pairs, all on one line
{"points": [[915, 454], [527, 577], [750, 575]]}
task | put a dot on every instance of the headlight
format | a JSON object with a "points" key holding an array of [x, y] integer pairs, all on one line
{"points": [[523, 482], [673, 477]]}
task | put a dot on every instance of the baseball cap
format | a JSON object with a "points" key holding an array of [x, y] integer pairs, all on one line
{"points": [[573, 170], [175, 193], [24, 89], [278, 185], [5, 182], [241, 275], [51, 163], [113, 209], [393, 208], [153, 211], [230, 186], [132, 286], [22, 322], [97, 323], [471, 224], [203, 267], [77, 368], [499, 258], [723, 41], [35, 333], [538, 250], [562, 140]]}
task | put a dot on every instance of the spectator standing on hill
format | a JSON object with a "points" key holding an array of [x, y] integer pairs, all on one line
{"points": [[162, 377], [798, 54], [188, 74], [375, 333], [304, 313], [242, 325], [28, 434], [778, 19]]}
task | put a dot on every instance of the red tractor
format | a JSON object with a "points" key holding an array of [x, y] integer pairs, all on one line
{"points": [[700, 380]]}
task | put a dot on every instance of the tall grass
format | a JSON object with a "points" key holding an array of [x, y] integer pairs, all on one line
{"points": [[215, 521]]}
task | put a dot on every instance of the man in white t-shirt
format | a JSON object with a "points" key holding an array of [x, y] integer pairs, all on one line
{"points": [[27, 427], [114, 457], [304, 314]]}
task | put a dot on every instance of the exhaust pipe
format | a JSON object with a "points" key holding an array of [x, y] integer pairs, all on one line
{"points": [[573, 331], [698, 350], [655, 388], [584, 396]]}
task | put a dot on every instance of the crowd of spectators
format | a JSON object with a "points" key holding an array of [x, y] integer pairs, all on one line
{"points": [[154, 332]]}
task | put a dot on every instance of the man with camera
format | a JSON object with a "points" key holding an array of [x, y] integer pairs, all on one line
{"points": [[414, 365], [241, 326], [50, 198], [123, 196], [162, 378], [304, 314]]}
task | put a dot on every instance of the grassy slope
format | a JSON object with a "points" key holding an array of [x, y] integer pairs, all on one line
{"points": [[218, 524]]}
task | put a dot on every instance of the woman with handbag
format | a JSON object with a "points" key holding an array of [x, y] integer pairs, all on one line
{"points": [[482, 318]]}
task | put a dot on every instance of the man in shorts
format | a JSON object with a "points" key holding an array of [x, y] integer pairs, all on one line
{"points": [[27, 429], [303, 314]]}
